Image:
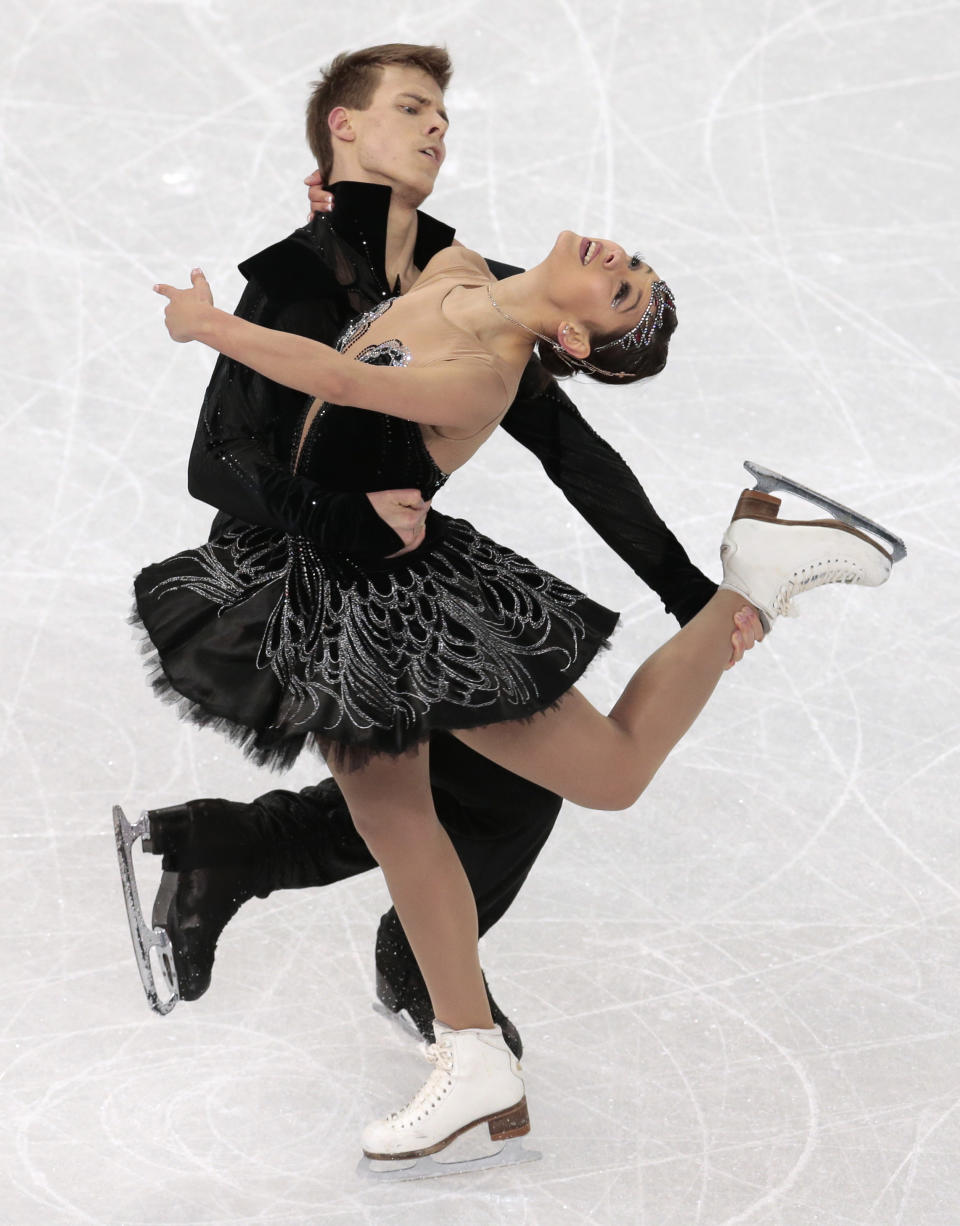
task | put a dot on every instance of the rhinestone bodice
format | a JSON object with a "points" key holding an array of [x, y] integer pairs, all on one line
{"points": [[354, 449]]}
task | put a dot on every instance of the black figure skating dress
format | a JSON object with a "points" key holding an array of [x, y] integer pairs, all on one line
{"points": [[277, 641]]}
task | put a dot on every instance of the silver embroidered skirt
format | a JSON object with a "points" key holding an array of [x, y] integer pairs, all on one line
{"points": [[276, 642]]}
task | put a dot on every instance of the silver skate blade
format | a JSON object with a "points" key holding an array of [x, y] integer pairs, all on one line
{"points": [[151, 946], [768, 481], [401, 1019], [454, 1160]]}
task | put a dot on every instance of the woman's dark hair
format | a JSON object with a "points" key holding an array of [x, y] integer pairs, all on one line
{"points": [[351, 80], [621, 359]]}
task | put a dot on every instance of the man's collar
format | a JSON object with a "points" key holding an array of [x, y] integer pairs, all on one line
{"points": [[359, 215]]}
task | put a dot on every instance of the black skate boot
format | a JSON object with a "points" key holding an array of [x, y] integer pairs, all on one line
{"points": [[401, 990], [218, 854], [193, 908], [214, 860]]}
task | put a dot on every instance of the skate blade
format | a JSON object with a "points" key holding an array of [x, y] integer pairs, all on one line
{"points": [[151, 946], [402, 1019], [768, 481], [461, 1157]]}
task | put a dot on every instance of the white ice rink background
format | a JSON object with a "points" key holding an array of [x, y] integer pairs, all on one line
{"points": [[741, 999]]}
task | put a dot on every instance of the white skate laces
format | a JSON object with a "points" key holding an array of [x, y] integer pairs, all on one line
{"points": [[816, 574], [771, 561], [432, 1093], [835, 570]]}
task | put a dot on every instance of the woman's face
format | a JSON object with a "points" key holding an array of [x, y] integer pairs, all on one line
{"points": [[594, 282]]}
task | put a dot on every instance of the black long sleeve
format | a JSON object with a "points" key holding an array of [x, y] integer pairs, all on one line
{"points": [[240, 462], [601, 487]]}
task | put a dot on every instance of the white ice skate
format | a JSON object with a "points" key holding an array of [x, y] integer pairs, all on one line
{"points": [[151, 946], [467, 1117], [770, 561]]}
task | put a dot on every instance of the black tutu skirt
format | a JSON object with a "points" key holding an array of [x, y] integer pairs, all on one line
{"points": [[278, 643]]}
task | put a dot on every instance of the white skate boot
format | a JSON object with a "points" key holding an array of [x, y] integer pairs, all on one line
{"points": [[463, 1118], [770, 561]]}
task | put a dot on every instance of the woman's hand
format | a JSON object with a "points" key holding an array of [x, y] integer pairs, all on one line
{"points": [[748, 632], [406, 513], [321, 201], [187, 308]]}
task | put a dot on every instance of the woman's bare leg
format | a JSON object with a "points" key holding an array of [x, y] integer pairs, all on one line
{"points": [[392, 807], [606, 761], [595, 760]]}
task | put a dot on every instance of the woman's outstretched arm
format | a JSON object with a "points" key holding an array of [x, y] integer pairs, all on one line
{"points": [[466, 393]]}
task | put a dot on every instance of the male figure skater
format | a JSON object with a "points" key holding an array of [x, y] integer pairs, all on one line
{"points": [[377, 125]]}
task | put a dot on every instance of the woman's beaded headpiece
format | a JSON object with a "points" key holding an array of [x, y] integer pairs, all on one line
{"points": [[661, 296]]}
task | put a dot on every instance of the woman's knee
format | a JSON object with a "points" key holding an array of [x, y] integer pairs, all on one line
{"points": [[385, 825], [613, 790], [627, 769]]}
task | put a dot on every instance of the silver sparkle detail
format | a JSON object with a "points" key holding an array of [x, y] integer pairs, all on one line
{"points": [[361, 325], [661, 296], [378, 649]]}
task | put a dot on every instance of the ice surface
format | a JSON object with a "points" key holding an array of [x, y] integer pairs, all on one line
{"points": [[740, 1000]]}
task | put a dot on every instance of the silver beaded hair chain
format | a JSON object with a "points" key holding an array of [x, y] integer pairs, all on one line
{"points": [[661, 296]]}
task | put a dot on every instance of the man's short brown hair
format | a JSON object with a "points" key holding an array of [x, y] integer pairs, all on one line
{"points": [[351, 80]]}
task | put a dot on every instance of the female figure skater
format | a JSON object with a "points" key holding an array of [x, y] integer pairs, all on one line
{"points": [[278, 642]]}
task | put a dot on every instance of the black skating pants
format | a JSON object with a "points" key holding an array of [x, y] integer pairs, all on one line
{"points": [[497, 821]]}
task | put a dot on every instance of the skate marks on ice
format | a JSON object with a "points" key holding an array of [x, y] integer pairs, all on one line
{"points": [[151, 946], [772, 951]]}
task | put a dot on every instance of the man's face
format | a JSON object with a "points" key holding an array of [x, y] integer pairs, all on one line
{"points": [[399, 138]]}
